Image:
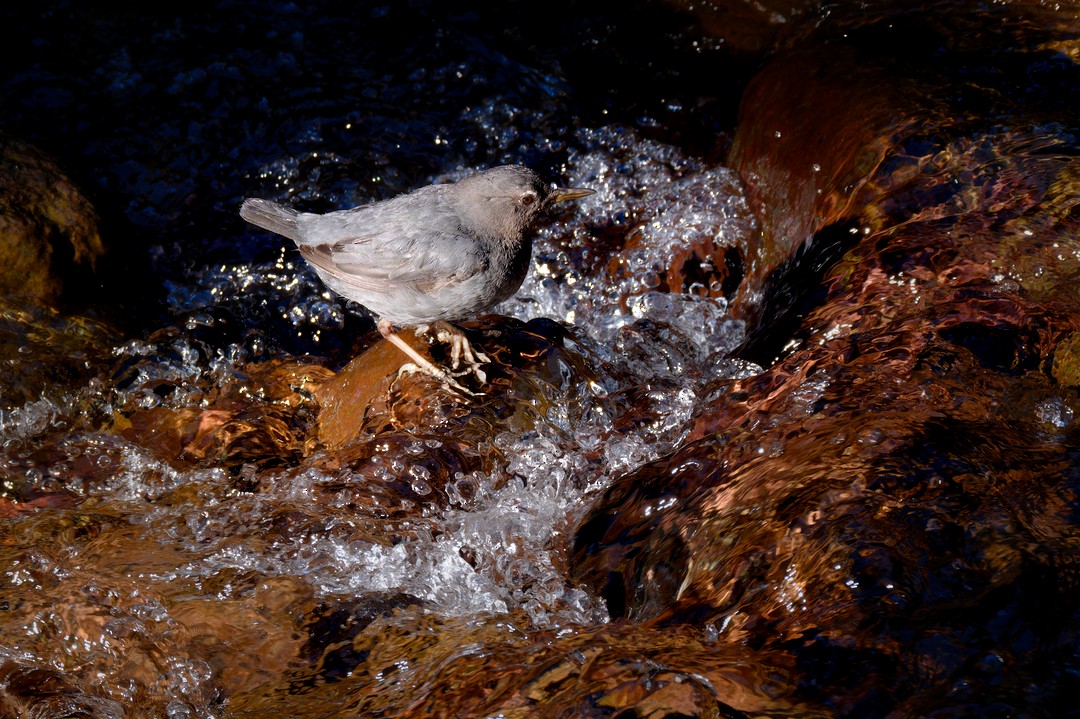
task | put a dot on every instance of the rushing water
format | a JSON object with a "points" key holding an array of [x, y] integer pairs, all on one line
{"points": [[175, 542], [147, 533], [138, 533]]}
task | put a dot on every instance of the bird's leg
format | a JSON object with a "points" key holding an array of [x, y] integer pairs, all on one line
{"points": [[386, 329], [460, 348]]}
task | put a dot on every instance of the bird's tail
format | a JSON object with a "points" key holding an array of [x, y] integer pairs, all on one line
{"points": [[271, 216]]}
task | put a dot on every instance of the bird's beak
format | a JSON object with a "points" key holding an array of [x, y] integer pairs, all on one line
{"points": [[564, 194]]}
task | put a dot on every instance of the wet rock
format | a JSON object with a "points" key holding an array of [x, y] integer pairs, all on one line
{"points": [[43, 351], [48, 229], [332, 631], [262, 417], [405, 442], [802, 177], [351, 394], [881, 521], [370, 395], [28, 691], [891, 488], [597, 672]]}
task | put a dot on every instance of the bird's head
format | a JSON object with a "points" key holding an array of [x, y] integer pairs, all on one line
{"points": [[504, 201]]}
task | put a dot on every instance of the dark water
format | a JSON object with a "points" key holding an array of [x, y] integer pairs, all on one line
{"points": [[175, 542]]}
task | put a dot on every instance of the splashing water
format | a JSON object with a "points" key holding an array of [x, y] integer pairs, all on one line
{"points": [[668, 203], [497, 545], [155, 535]]}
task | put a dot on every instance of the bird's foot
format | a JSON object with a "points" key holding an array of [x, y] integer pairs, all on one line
{"points": [[461, 349], [421, 363], [446, 378]]}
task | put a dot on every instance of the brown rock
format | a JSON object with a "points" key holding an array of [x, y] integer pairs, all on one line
{"points": [[896, 482], [345, 399], [46, 225], [801, 176]]}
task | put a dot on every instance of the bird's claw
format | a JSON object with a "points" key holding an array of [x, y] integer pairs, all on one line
{"points": [[461, 349], [419, 362], [446, 378]]}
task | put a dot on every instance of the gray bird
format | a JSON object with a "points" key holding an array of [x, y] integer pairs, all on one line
{"points": [[429, 257]]}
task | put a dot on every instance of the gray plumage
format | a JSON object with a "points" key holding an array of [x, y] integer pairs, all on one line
{"points": [[439, 253]]}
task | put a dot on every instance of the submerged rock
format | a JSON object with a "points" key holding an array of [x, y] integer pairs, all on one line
{"points": [[234, 516], [895, 489]]}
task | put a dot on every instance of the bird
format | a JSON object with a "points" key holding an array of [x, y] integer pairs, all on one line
{"points": [[426, 258]]}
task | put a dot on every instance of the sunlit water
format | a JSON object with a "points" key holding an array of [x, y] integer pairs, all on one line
{"points": [[143, 575], [499, 546]]}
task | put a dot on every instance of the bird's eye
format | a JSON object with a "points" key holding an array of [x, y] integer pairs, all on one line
{"points": [[528, 198]]}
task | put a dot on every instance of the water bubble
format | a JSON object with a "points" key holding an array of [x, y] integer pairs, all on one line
{"points": [[1054, 412], [419, 480], [327, 315]]}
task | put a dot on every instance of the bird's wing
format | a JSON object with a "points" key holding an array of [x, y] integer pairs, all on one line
{"points": [[379, 253]]}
